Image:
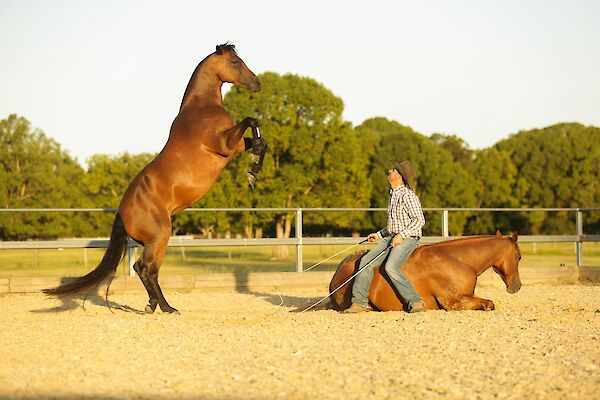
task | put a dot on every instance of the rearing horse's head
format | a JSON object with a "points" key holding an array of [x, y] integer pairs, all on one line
{"points": [[230, 68], [507, 265]]}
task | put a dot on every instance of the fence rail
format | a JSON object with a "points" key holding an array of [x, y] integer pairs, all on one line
{"points": [[299, 240]]}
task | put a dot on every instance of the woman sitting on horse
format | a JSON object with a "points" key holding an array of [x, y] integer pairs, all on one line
{"points": [[403, 232]]}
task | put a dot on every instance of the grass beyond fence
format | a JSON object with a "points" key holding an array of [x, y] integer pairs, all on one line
{"points": [[199, 260]]}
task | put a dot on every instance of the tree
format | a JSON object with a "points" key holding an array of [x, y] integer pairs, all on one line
{"points": [[314, 157], [36, 173], [441, 182], [497, 182], [105, 182], [559, 166], [458, 148]]}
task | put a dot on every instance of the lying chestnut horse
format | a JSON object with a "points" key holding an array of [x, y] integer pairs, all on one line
{"points": [[444, 274], [203, 140]]}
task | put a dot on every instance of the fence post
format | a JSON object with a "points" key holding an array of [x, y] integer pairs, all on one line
{"points": [[444, 222], [579, 226], [299, 261]]}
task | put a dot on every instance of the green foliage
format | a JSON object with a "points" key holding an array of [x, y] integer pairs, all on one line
{"points": [[36, 173], [497, 181], [440, 182], [316, 159], [557, 166], [105, 183], [457, 147], [108, 176]]}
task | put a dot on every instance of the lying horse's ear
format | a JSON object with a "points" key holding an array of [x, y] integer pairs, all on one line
{"points": [[499, 234], [219, 49], [515, 236]]}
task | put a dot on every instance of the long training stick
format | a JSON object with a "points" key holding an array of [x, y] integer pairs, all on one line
{"points": [[346, 281]]}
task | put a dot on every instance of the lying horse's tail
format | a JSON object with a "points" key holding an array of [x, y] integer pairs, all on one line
{"points": [[325, 305], [340, 289], [342, 298], [117, 247]]}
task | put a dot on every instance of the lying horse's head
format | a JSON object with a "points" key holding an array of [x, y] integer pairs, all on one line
{"points": [[507, 265], [230, 68]]}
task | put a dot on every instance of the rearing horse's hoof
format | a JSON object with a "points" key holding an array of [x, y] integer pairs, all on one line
{"points": [[150, 308], [170, 310], [251, 180]]}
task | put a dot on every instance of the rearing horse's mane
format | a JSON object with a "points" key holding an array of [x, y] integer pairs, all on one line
{"points": [[225, 47], [220, 49]]}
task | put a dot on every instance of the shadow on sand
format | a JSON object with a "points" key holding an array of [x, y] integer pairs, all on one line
{"points": [[97, 297], [72, 302], [299, 303]]}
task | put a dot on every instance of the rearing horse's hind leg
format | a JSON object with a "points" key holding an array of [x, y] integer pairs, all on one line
{"points": [[153, 255], [142, 270], [162, 302]]}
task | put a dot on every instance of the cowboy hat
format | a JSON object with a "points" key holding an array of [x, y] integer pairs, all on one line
{"points": [[406, 171]]}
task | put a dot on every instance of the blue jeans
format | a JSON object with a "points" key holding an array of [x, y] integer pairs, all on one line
{"points": [[393, 266]]}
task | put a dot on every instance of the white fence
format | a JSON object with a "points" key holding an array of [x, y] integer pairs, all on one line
{"points": [[578, 237]]}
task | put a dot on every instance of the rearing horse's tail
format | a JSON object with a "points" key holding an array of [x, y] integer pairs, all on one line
{"points": [[117, 247]]}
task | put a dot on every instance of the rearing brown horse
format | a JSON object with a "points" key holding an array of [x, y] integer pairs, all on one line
{"points": [[202, 141], [444, 274]]}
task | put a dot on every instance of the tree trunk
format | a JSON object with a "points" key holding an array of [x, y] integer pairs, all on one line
{"points": [[228, 236], [248, 230], [281, 252], [288, 226]]}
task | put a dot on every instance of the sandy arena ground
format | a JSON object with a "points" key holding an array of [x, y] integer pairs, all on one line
{"points": [[541, 343]]}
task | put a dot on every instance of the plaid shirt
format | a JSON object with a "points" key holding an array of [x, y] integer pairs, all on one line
{"points": [[405, 215]]}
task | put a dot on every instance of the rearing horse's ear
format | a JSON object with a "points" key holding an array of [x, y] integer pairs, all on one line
{"points": [[499, 234], [515, 236], [225, 47]]}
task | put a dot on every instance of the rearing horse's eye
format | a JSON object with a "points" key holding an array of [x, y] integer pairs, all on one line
{"points": [[235, 62]]}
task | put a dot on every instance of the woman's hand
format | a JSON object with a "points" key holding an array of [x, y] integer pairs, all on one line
{"points": [[373, 237], [398, 239]]}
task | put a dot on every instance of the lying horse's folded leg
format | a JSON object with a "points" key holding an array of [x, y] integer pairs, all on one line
{"points": [[467, 302]]}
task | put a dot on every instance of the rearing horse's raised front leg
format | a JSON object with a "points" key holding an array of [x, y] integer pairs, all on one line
{"points": [[235, 145], [234, 135], [259, 149]]}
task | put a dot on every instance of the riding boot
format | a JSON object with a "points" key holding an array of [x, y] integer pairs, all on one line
{"points": [[356, 308], [417, 306]]}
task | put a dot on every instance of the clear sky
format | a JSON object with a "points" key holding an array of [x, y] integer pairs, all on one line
{"points": [[108, 76]]}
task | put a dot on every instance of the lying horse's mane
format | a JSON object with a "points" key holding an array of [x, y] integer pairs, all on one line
{"points": [[466, 239]]}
